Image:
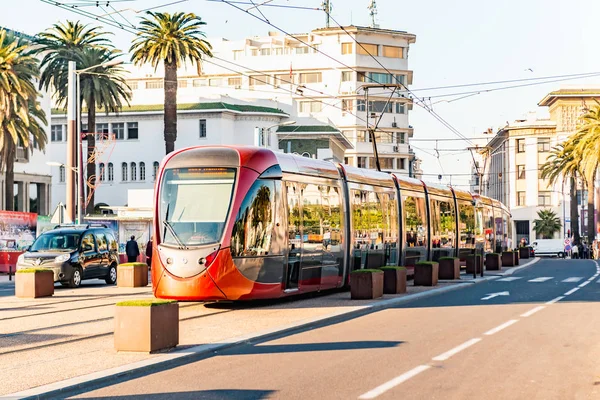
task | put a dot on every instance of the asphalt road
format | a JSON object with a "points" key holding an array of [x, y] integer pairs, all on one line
{"points": [[532, 335]]}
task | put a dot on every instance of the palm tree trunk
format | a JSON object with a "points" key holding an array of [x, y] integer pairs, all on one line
{"points": [[9, 179], [91, 147], [574, 211], [591, 227], [170, 88]]}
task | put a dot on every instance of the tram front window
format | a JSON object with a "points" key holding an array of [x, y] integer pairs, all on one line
{"points": [[194, 205]]}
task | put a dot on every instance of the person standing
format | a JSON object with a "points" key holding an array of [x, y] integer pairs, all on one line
{"points": [[149, 252], [575, 252], [132, 250]]}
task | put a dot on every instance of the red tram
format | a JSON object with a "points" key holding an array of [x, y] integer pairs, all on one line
{"points": [[240, 223]]}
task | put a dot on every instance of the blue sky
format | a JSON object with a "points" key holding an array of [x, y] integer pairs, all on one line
{"points": [[459, 42]]}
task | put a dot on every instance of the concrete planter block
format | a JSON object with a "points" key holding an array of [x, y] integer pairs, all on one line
{"points": [[146, 325], [493, 262], [508, 259], [366, 284], [449, 268], [34, 283], [524, 252], [132, 275], [516, 256], [394, 280], [426, 273], [474, 261]]}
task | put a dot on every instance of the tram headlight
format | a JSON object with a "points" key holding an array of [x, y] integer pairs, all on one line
{"points": [[169, 260]]}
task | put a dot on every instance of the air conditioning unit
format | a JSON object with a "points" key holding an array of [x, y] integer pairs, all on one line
{"points": [[394, 124], [396, 149]]}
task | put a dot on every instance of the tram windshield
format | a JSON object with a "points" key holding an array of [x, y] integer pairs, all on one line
{"points": [[194, 205]]}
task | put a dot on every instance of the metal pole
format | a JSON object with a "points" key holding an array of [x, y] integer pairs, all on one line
{"points": [[71, 141], [79, 163]]}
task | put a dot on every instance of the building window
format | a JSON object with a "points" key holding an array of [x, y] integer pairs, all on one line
{"points": [[111, 176], [400, 108], [366, 49], [347, 48], [237, 54], [401, 163], [520, 145], [347, 105], [313, 77], [181, 83], [56, 133], [347, 76], [401, 79], [520, 198], [118, 129], [199, 82], [142, 171], [544, 199], [543, 145], [302, 50], [265, 52], [310, 106], [520, 172], [362, 162], [124, 172], [361, 76], [133, 85], [254, 52], [101, 169], [133, 171], [61, 176], [381, 78], [386, 163], [401, 138], [157, 84], [235, 81], [132, 130], [202, 129], [257, 80], [214, 82], [101, 130], [283, 79], [155, 170], [392, 51]]}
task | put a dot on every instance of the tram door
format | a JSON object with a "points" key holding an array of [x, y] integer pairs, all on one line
{"points": [[292, 273], [311, 262]]}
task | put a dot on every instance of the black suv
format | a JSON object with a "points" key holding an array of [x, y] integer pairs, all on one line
{"points": [[74, 253]]}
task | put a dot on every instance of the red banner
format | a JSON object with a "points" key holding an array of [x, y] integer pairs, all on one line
{"points": [[17, 231]]}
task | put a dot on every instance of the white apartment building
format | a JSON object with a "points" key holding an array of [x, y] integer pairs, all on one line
{"points": [[32, 176], [286, 79]]}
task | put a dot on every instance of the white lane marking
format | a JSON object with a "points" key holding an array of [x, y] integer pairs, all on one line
{"points": [[583, 284], [509, 279], [500, 327], [571, 291], [533, 311], [379, 390], [559, 298], [541, 279], [573, 279], [457, 349], [492, 295], [598, 281]]}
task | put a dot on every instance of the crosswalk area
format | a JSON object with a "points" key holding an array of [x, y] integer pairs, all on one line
{"points": [[540, 279]]}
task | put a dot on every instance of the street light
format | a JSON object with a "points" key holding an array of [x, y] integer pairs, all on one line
{"points": [[74, 131], [260, 133], [76, 171]]}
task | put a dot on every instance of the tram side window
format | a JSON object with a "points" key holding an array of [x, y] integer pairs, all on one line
{"points": [[443, 228], [467, 224], [499, 232], [312, 217], [332, 216], [488, 220], [415, 214], [253, 226], [479, 229], [391, 237]]}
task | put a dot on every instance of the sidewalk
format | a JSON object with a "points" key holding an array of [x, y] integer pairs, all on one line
{"points": [[71, 334]]}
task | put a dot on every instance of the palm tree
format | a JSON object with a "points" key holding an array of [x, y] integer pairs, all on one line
{"points": [[101, 87], [170, 39], [547, 224], [587, 146], [561, 164], [21, 112]]}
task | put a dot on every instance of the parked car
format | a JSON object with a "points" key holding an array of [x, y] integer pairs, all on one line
{"points": [[75, 253], [549, 247]]}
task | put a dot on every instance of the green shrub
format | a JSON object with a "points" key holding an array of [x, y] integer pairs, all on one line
{"points": [[33, 270], [361, 271], [447, 258], [391, 267], [145, 303]]}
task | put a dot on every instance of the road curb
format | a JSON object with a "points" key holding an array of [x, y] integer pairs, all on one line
{"points": [[513, 270], [182, 356]]}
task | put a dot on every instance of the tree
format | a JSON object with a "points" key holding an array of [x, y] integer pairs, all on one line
{"points": [[101, 87], [170, 39], [22, 115], [562, 164], [547, 224]]}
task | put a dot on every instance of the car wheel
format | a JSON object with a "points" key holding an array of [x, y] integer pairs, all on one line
{"points": [[111, 278], [75, 280], [561, 255]]}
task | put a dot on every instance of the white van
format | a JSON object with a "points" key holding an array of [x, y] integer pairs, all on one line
{"points": [[549, 247]]}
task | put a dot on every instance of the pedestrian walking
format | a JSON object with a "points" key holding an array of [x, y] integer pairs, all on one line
{"points": [[149, 252], [595, 249], [575, 252], [132, 250]]}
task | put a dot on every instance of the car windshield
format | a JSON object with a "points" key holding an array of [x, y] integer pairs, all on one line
{"points": [[195, 204], [56, 242]]}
